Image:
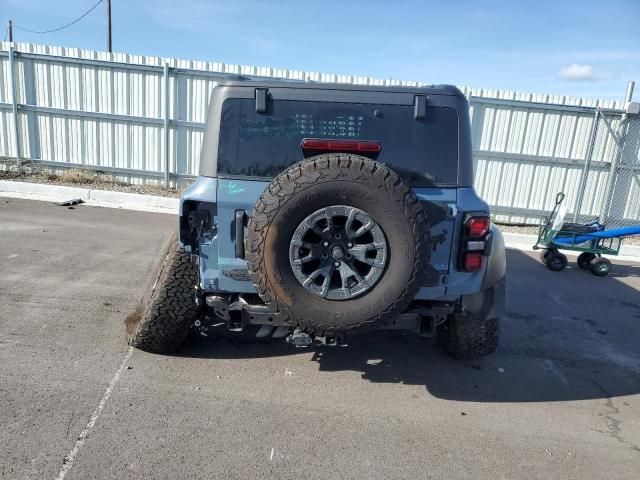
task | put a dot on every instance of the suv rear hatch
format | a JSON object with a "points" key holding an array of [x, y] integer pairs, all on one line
{"points": [[419, 142]]}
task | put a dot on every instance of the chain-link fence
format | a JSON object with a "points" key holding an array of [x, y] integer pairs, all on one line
{"points": [[610, 188]]}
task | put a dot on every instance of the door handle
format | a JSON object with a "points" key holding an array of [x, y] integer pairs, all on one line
{"points": [[240, 219]]}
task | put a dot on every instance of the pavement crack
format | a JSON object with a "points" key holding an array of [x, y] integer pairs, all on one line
{"points": [[614, 424], [69, 423]]}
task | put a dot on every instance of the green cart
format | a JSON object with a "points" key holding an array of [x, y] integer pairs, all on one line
{"points": [[590, 239]]}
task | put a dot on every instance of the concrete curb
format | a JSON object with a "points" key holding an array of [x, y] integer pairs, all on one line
{"points": [[42, 189], [99, 198], [134, 199]]}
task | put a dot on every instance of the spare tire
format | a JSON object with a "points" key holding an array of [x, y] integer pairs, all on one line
{"points": [[338, 242]]}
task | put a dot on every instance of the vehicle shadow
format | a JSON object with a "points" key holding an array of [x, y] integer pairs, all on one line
{"points": [[567, 336]]}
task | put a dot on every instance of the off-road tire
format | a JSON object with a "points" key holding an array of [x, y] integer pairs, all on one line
{"points": [[161, 322], [474, 330], [466, 336], [323, 181]]}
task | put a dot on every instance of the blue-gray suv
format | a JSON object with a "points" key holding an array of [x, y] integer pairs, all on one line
{"points": [[323, 210]]}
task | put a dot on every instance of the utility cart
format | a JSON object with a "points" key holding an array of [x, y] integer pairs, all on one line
{"points": [[591, 239]]}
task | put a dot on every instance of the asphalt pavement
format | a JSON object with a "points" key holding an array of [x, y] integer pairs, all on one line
{"points": [[560, 399]]}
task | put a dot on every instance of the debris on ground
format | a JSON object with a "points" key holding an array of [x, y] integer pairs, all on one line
{"points": [[69, 203]]}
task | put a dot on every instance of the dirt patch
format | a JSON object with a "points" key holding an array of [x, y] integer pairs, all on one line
{"points": [[132, 319]]}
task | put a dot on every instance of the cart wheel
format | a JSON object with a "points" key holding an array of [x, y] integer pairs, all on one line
{"points": [[543, 255], [600, 267], [556, 261], [585, 259]]}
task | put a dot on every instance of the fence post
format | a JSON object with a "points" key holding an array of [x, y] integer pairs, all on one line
{"points": [[167, 157], [629, 93], [587, 165], [14, 107]]}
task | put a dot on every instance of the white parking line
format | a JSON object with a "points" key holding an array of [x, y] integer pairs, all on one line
{"points": [[69, 458]]}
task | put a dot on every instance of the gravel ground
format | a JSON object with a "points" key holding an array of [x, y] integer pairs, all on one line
{"points": [[89, 179], [532, 230]]}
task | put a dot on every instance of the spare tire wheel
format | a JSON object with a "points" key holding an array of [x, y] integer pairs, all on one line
{"points": [[338, 242]]}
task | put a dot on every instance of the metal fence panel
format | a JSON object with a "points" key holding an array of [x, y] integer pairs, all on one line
{"points": [[106, 111], [620, 204]]}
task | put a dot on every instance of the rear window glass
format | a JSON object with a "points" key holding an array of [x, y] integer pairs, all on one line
{"points": [[424, 152]]}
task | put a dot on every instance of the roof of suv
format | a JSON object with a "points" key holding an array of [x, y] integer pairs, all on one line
{"points": [[241, 87], [427, 89]]}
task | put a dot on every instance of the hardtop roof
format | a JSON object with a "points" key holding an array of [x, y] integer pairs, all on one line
{"points": [[298, 84]]}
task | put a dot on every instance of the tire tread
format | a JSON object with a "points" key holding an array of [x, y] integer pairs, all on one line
{"points": [[161, 322]]}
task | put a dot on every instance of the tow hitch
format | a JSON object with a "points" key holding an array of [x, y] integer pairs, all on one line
{"points": [[302, 339]]}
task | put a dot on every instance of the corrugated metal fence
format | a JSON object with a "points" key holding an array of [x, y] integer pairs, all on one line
{"points": [[142, 117]]}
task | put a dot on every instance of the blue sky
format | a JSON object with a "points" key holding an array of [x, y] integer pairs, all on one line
{"points": [[570, 47]]}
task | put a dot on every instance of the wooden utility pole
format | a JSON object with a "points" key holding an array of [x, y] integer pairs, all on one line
{"points": [[10, 31], [109, 26]]}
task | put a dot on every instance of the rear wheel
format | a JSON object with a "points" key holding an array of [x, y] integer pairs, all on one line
{"points": [[475, 330], [161, 322], [585, 259], [600, 267]]}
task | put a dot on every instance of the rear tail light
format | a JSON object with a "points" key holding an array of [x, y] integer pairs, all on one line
{"points": [[478, 226], [340, 145], [472, 261], [474, 242]]}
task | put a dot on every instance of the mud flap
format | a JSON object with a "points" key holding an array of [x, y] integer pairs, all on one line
{"points": [[487, 303]]}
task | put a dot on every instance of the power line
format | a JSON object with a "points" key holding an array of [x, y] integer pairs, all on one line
{"points": [[62, 27]]}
